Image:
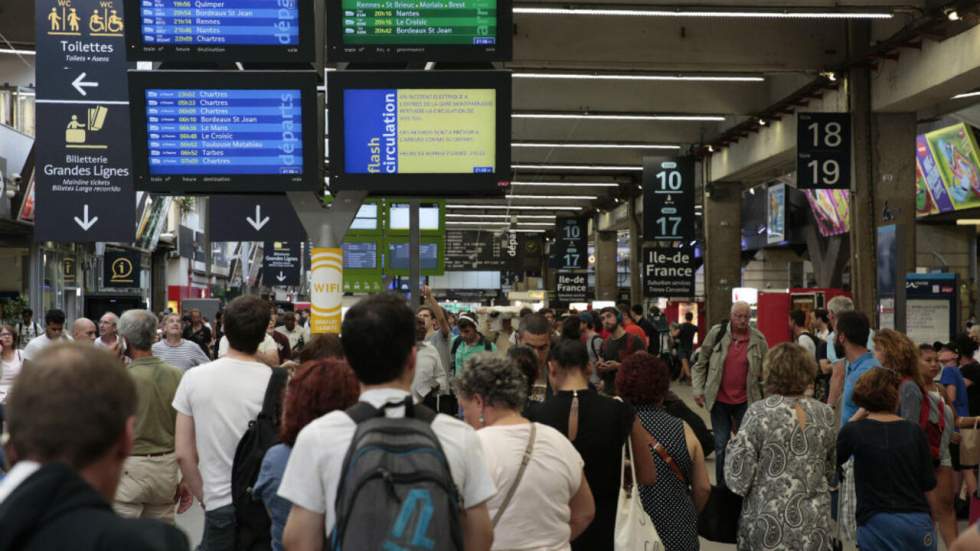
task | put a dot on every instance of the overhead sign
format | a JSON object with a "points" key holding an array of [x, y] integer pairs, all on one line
{"points": [[83, 179], [572, 286], [823, 150], [668, 272], [571, 247], [121, 269], [254, 218], [68, 268], [468, 251], [326, 290], [668, 200], [281, 264]]}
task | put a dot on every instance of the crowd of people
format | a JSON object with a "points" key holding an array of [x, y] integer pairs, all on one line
{"points": [[423, 429]]}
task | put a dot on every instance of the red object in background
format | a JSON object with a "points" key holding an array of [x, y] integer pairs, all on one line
{"points": [[180, 292], [772, 314], [674, 315]]}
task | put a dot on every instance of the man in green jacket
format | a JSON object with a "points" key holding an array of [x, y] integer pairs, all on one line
{"points": [[728, 376]]}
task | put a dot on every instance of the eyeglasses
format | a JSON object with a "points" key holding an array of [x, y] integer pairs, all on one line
{"points": [[6, 334]]}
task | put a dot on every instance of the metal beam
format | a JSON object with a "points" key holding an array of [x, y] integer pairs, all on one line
{"points": [[324, 226]]}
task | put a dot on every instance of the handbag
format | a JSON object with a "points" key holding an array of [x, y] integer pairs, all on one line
{"points": [[517, 480], [634, 529], [719, 519], [970, 445]]}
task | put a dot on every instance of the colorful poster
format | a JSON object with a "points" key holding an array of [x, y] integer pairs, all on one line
{"points": [[831, 208], [417, 131], [955, 151], [326, 290], [776, 214], [930, 193]]}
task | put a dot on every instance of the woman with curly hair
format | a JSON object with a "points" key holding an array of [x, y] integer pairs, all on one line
{"points": [[543, 500], [682, 486], [782, 459], [316, 388]]}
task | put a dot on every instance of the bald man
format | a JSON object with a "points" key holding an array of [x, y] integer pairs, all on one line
{"points": [[83, 331], [728, 376]]}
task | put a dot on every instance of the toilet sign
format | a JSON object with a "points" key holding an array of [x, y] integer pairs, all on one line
{"points": [[326, 289]]}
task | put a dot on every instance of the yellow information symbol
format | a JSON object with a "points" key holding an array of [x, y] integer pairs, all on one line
{"points": [[122, 270], [77, 132], [64, 20]]}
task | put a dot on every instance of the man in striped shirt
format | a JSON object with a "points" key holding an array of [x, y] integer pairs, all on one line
{"points": [[174, 349]]}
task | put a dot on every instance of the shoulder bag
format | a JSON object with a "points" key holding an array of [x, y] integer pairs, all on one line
{"points": [[517, 481], [634, 529]]}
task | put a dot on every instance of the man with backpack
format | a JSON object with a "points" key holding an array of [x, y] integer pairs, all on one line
{"points": [[386, 474], [618, 346], [802, 337], [216, 402], [469, 342]]}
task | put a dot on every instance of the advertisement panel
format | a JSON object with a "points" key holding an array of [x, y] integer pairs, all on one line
{"points": [[955, 151], [326, 290]]}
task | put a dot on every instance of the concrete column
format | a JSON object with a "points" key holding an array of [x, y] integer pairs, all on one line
{"points": [[949, 248], [605, 265], [894, 174], [863, 236], [636, 242], [722, 247]]}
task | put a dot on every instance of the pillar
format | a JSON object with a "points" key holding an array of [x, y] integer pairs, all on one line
{"points": [[722, 248], [606, 287], [863, 226], [636, 242]]}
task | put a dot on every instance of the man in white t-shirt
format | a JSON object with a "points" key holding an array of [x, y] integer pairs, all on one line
{"points": [[215, 403], [295, 333], [54, 327], [379, 340], [267, 353]]}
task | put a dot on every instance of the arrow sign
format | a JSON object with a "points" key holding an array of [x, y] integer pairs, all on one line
{"points": [[281, 264], [86, 222], [281, 277], [80, 84], [258, 222]]}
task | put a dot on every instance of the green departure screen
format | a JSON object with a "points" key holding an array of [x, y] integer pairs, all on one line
{"points": [[420, 22]]}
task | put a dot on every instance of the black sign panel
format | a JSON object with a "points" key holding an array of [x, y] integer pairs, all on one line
{"points": [[572, 286], [121, 269], [281, 264], [823, 150], [668, 200], [69, 269], [668, 272], [571, 249], [254, 218], [84, 184], [468, 251]]}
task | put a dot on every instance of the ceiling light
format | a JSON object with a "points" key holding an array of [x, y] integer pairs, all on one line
{"points": [[14, 51], [610, 168], [829, 75], [711, 148], [953, 15], [968, 222], [762, 122], [565, 184], [747, 14], [514, 207], [556, 197], [967, 95], [639, 76], [593, 145], [499, 224], [619, 117], [519, 230], [504, 216]]}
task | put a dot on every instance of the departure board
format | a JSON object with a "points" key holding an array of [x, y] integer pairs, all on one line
{"points": [[361, 255], [235, 136], [243, 30], [433, 29], [398, 256], [218, 131]]}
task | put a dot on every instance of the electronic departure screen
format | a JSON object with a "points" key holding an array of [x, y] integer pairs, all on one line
{"points": [[428, 30], [399, 214], [398, 256], [361, 255], [229, 132], [423, 133], [220, 30]]}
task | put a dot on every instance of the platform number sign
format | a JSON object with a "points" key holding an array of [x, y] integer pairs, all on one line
{"points": [[571, 247], [823, 151], [668, 199]]}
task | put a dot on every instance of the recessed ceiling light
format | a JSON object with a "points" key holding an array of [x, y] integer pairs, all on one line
{"points": [[746, 14], [556, 197], [514, 207], [570, 145], [618, 117], [967, 95], [637, 76], [14, 51], [565, 184], [602, 168]]}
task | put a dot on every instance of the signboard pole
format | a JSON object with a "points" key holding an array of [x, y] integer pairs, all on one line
{"points": [[414, 252]]}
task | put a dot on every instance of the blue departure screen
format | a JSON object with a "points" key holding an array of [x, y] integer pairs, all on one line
{"points": [[398, 256], [220, 22], [361, 256], [223, 132]]}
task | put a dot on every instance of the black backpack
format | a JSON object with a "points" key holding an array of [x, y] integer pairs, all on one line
{"points": [[396, 489], [253, 528]]}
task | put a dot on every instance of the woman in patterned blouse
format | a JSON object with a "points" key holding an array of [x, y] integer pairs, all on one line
{"points": [[782, 458]]}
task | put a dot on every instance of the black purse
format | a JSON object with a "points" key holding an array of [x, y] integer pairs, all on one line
{"points": [[719, 519]]}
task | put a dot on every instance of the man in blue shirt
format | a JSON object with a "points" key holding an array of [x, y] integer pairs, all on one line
{"points": [[851, 334]]}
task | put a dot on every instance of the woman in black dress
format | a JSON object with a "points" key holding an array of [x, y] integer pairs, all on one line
{"points": [[598, 427]]}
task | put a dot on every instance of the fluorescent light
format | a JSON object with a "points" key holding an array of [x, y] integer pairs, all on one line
{"points": [[499, 224], [953, 15], [968, 222], [762, 122], [565, 184], [755, 14], [15, 51], [610, 168], [640, 77], [503, 216], [519, 230], [967, 95], [513, 207], [556, 197], [623, 117], [593, 145]]}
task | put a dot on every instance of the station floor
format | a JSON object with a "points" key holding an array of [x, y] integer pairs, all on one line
{"points": [[192, 522]]}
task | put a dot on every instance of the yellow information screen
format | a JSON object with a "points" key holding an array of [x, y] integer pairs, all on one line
{"points": [[420, 131]]}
